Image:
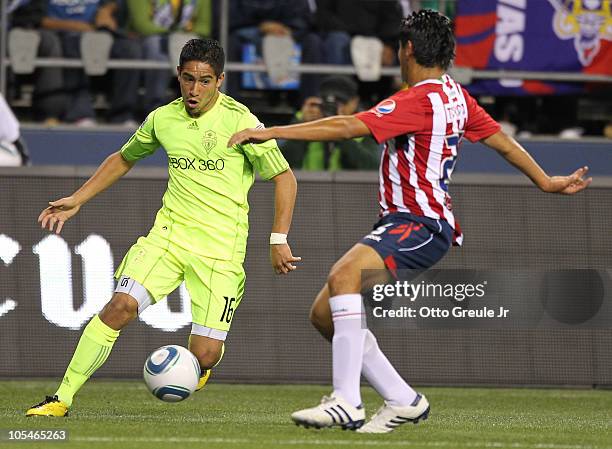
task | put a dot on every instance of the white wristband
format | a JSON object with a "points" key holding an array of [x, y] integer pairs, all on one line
{"points": [[278, 239]]}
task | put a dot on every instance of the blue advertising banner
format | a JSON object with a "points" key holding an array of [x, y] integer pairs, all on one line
{"points": [[535, 35]]}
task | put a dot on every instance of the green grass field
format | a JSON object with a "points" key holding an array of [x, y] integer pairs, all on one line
{"points": [[124, 415]]}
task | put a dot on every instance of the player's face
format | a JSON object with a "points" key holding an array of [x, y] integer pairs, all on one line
{"points": [[199, 86]]}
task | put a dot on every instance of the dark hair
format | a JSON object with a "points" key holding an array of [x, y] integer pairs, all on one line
{"points": [[432, 37], [204, 50]]}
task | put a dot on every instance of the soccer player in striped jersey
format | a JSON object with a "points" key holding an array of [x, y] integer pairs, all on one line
{"points": [[200, 232], [421, 128]]}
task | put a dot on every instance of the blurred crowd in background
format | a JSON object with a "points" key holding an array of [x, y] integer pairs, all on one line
{"points": [[317, 32]]}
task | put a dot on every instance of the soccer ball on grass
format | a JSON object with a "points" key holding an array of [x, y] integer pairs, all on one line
{"points": [[171, 373]]}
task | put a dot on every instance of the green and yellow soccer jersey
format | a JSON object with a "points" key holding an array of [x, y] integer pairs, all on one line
{"points": [[205, 208]]}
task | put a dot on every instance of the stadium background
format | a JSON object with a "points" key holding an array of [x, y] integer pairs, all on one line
{"points": [[508, 225]]}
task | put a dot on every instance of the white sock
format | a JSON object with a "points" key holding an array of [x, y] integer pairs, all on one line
{"points": [[382, 376], [347, 346]]}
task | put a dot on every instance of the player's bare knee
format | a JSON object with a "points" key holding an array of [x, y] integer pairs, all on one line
{"points": [[120, 310], [343, 279], [126, 305], [335, 277], [208, 357]]}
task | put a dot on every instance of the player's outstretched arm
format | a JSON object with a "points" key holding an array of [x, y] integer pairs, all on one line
{"points": [[285, 190], [334, 128], [514, 153], [60, 211]]}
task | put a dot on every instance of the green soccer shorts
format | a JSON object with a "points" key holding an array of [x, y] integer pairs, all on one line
{"points": [[215, 286]]}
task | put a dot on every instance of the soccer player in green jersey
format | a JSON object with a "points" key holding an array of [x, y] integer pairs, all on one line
{"points": [[200, 233]]}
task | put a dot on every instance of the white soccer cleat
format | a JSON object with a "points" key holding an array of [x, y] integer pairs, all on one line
{"points": [[332, 411], [388, 417]]}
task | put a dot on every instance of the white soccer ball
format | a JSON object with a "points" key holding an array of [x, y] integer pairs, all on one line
{"points": [[171, 373]]}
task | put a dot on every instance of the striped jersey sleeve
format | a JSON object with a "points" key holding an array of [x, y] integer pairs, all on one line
{"points": [[143, 142], [266, 157]]}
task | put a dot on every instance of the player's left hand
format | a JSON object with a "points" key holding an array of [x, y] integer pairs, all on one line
{"points": [[249, 135], [569, 185], [282, 259]]}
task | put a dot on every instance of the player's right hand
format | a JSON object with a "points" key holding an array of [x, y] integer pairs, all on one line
{"points": [[569, 185], [282, 259], [58, 212]]}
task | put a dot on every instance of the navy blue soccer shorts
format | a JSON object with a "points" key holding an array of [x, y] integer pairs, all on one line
{"points": [[406, 241]]}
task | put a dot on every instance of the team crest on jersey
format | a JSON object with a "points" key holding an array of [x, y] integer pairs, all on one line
{"points": [[384, 107], [209, 140]]}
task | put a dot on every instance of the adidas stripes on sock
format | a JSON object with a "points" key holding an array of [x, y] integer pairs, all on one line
{"points": [[92, 351]]}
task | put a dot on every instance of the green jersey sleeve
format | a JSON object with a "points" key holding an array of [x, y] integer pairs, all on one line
{"points": [[143, 142], [266, 157]]}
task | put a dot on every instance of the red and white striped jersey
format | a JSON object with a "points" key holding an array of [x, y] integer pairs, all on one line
{"points": [[421, 129]]}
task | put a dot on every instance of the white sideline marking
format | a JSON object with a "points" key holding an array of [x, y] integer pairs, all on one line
{"points": [[487, 444]]}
